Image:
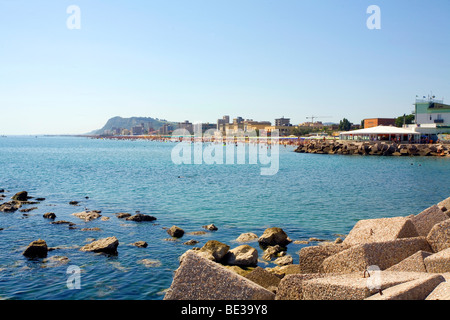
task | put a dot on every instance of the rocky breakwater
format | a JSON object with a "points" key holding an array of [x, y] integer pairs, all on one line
{"points": [[396, 258], [373, 148]]}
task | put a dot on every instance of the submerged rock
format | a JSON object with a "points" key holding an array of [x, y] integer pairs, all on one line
{"points": [[55, 261], [49, 215], [191, 242], [10, 206], [122, 215], [246, 237], [140, 244], [87, 215], [210, 227], [28, 209], [63, 222], [36, 249], [150, 263], [141, 217]]}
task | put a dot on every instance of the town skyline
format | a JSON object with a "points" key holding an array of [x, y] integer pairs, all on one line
{"points": [[68, 67]]}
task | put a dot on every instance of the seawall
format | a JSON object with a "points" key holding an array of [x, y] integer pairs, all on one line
{"points": [[374, 148]]}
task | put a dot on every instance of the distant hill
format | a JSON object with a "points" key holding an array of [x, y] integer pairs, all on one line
{"points": [[128, 123]]}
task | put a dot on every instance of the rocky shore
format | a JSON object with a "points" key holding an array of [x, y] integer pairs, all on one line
{"points": [[382, 259], [373, 148], [399, 258]]}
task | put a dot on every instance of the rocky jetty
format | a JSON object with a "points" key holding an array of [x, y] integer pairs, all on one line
{"points": [[373, 148], [399, 258]]}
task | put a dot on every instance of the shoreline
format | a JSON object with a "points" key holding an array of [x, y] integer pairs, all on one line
{"points": [[377, 148]]}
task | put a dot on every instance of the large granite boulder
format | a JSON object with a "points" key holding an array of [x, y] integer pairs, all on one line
{"points": [[244, 256], [107, 245], [439, 236], [198, 278], [274, 236], [378, 230], [425, 220], [36, 249], [381, 254]]}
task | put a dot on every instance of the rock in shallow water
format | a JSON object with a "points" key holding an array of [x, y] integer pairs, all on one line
{"points": [[274, 236], [106, 245], [36, 249], [140, 217], [175, 232]]}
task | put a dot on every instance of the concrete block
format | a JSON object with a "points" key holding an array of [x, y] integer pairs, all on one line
{"points": [[425, 220], [439, 236], [311, 258], [413, 263], [264, 278], [381, 254], [378, 230], [291, 286], [438, 262], [353, 286], [198, 278], [444, 205], [441, 292], [417, 289]]}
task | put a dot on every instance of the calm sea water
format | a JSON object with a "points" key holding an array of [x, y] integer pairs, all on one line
{"points": [[311, 196]]}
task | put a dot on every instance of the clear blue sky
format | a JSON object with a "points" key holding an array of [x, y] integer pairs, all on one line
{"points": [[200, 59]]}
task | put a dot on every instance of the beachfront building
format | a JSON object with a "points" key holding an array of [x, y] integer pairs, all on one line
{"points": [[222, 123], [375, 122], [283, 122], [382, 133], [250, 125], [166, 129], [202, 127], [283, 131], [432, 119], [315, 125], [138, 130], [186, 125]]}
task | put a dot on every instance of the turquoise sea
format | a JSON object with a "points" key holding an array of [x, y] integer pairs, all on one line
{"points": [[318, 196]]}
